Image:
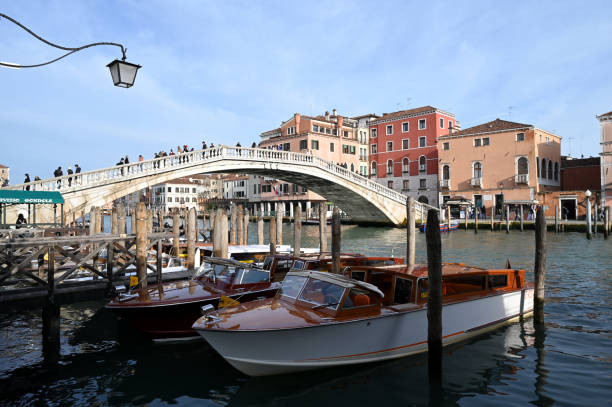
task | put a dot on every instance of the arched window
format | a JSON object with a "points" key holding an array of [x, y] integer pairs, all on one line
{"points": [[390, 167], [422, 163], [556, 171], [538, 165], [543, 167], [405, 165], [550, 170], [374, 166], [522, 166], [477, 170], [446, 172], [352, 167]]}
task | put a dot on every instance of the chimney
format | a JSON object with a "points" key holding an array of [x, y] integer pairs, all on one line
{"points": [[297, 118], [340, 122], [326, 115], [335, 112]]}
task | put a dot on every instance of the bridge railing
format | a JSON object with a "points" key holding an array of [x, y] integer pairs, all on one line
{"points": [[117, 173]]}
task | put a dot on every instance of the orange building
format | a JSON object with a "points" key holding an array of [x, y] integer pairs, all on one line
{"points": [[497, 162]]}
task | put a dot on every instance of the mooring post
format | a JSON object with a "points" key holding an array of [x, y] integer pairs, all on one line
{"points": [[212, 222], [141, 243], [410, 232], [121, 219], [322, 227], [556, 219], [465, 217], [92, 221], [336, 240], [272, 235], [476, 214], [240, 222], [280, 209], [588, 218], [606, 222], [297, 229], [158, 262], [595, 218], [540, 264], [245, 229], [448, 218], [110, 264], [133, 222], [434, 296], [191, 238], [100, 220], [222, 215], [522, 224], [216, 233], [114, 221], [260, 229], [51, 315], [176, 233], [233, 222], [492, 218]]}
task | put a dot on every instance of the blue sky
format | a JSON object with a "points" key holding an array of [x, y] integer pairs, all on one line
{"points": [[225, 71]]}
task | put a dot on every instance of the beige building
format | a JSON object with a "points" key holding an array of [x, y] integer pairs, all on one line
{"points": [[605, 121], [499, 161], [5, 175]]}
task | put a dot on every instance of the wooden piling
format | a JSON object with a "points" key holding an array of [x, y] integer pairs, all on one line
{"points": [[448, 218], [522, 218], [223, 225], [336, 240], [176, 233], [492, 218], [245, 228], [216, 233], [606, 222], [556, 219], [465, 215], [240, 223], [323, 227], [434, 297], [297, 229], [411, 232], [272, 235], [51, 314], [114, 221], [92, 221], [121, 219], [191, 238], [595, 218], [476, 213], [260, 229], [540, 263], [233, 223], [141, 243], [588, 218], [158, 262], [110, 264], [133, 222], [280, 209], [100, 220]]}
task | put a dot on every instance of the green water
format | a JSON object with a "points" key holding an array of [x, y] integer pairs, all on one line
{"points": [[567, 361]]}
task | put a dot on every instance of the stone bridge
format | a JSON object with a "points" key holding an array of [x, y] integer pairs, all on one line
{"points": [[362, 199]]}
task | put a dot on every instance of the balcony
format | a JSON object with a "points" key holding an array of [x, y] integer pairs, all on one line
{"points": [[477, 182], [521, 179], [444, 184]]}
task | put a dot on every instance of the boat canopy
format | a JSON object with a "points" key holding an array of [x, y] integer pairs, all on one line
{"points": [[337, 279]]}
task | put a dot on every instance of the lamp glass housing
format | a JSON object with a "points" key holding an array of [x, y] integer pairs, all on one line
{"points": [[123, 73]]}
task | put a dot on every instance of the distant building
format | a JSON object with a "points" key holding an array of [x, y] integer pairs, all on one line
{"points": [[5, 175], [499, 161], [605, 121], [404, 152], [185, 193], [363, 135]]}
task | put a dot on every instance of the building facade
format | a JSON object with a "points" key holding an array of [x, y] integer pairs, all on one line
{"points": [[605, 121], [186, 192], [363, 135], [404, 151], [499, 161], [5, 175]]}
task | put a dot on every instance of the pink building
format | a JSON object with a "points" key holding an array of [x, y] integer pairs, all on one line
{"points": [[404, 152], [499, 161]]}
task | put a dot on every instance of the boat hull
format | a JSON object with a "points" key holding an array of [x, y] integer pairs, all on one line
{"points": [[393, 334]]}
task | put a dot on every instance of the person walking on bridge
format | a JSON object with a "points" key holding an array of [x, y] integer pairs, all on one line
{"points": [[70, 172], [77, 170], [58, 173], [27, 179]]}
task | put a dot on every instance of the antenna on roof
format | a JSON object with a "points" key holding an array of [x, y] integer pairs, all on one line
{"points": [[510, 111]]}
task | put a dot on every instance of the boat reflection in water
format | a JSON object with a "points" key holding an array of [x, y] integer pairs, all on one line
{"points": [[370, 314]]}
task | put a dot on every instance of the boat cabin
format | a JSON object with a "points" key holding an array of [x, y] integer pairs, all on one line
{"points": [[224, 273]]}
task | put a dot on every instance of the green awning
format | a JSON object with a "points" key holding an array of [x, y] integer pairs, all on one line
{"points": [[9, 196]]}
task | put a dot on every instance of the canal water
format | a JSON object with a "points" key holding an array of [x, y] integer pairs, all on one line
{"points": [[567, 361]]}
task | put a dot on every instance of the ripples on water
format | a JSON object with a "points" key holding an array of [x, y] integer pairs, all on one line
{"points": [[566, 362]]}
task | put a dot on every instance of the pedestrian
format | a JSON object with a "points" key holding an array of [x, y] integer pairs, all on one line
{"points": [[254, 145], [77, 170], [120, 163], [27, 179], [58, 173], [70, 172], [37, 178], [21, 220], [239, 146]]}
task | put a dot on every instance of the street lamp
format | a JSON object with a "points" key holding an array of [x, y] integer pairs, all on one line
{"points": [[123, 73]]}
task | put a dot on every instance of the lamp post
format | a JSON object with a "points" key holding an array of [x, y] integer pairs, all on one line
{"points": [[123, 73]]}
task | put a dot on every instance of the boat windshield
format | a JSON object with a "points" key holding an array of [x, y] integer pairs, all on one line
{"points": [[292, 285], [267, 264], [322, 294], [204, 269], [251, 276]]}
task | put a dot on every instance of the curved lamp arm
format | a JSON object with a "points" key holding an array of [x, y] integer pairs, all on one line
{"points": [[71, 50]]}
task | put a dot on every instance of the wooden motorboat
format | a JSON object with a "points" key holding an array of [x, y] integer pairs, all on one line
{"points": [[444, 227], [370, 314], [167, 310]]}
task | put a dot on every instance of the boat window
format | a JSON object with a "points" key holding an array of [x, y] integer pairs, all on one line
{"points": [[358, 275], [292, 285], [298, 265], [283, 265], [249, 276], [322, 293], [268, 262], [463, 284], [498, 280], [204, 268], [403, 291], [358, 298], [225, 273]]}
